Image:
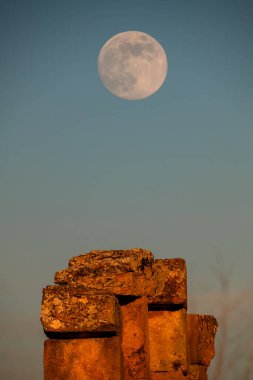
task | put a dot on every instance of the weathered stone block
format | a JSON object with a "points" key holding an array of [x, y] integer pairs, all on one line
{"points": [[125, 272], [168, 341], [135, 342], [117, 261], [170, 282], [83, 359], [129, 273], [197, 372], [72, 309], [201, 334]]}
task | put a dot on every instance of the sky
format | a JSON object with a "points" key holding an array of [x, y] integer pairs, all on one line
{"points": [[81, 169]]}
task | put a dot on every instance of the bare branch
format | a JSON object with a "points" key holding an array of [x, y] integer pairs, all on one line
{"points": [[248, 371]]}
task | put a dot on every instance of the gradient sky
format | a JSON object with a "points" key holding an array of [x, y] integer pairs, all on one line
{"points": [[82, 169]]}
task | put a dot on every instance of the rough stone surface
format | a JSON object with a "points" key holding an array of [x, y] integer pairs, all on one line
{"points": [[170, 282], [129, 273], [197, 372], [168, 341], [201, 334], [83, 359], [168, 376], [125, 272], [117, 261], [135, 342], [72, 309]]}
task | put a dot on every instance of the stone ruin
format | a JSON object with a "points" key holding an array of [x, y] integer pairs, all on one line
{"points": [[121, 315]]}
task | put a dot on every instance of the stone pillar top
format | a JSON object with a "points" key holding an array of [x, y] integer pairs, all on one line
{"points": [[132, 272]]}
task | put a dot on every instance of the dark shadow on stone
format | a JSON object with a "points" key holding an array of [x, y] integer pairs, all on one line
{"points": [[80, 335], [125, 300], [169, 307]]}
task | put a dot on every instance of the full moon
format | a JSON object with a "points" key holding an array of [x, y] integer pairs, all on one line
{"points": [[132, 65]]}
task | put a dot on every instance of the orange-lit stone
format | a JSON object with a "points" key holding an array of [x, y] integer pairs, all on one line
{"points": [[170, 282], [83, 359], [72, 309], [197, 372], [121, 272], [135, 341], [168, 376], [201, 334], [129, 315], [168, 341], [113, 261]]}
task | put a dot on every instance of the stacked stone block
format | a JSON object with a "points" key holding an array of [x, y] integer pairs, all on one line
{"points": [[121, 315]]}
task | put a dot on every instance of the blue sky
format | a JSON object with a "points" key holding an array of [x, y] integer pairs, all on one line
{"points": [[81, 169]]}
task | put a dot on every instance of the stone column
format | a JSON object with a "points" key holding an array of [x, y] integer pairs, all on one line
{"points": [[168, 322], [83, 359], [168, 343], [135, 340], [201, 336], [86, 334]]}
